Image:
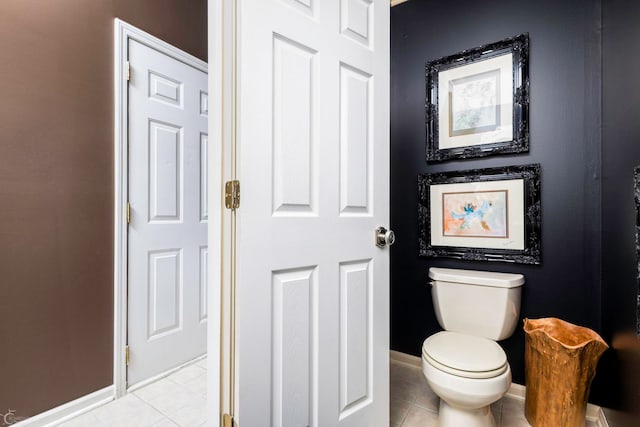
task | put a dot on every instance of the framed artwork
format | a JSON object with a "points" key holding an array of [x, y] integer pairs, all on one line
{"points": [[636, 186], [482, 214], [478, 101]]}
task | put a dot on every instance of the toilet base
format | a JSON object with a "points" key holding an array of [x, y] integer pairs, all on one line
{"points": [[450, 416]]}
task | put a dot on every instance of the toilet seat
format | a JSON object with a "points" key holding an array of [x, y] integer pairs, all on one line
{"points": [[464, 355]]}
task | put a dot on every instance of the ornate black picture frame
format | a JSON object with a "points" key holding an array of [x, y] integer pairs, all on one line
{"points": [[478, 101], [636, 186], [489, 214]]}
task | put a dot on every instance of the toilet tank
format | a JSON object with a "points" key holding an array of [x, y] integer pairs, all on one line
{"points": [[479, 303]]}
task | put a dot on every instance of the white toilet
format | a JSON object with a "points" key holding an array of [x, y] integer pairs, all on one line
{"points": [[463, 364]]}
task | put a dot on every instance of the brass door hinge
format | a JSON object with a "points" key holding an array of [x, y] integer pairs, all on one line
{"points": [[127, 70], [128, 213], [232, 194], [126, 355], [228, 421]]}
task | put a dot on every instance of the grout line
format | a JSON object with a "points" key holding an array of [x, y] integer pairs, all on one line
{"points": [[109, 412], [183, 389]]}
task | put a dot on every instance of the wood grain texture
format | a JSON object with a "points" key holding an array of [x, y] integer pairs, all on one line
{"points": [[560, 363]]}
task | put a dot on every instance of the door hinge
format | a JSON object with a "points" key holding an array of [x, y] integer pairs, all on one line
{"points": [[228, 421], [127, 70], [127, 355], [232, 194], [128, 213]]}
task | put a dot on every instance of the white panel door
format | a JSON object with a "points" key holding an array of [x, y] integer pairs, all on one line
{"points": [[313, 163], [167, 264]]}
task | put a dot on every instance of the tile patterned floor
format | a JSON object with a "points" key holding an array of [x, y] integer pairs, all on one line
{"points": [[179, 400], [413, 404], [176, 400]]}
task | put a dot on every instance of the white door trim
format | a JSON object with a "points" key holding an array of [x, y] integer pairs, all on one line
{"points": [[222, 135], [123, 32]]}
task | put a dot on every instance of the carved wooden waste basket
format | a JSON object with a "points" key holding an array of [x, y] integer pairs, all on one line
{"points": [[560, 363]]}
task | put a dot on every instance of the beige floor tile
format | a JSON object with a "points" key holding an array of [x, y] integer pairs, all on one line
{"points": [[159, 388], [405, 381], [165, 422], [194, 414], [128, 411], [84, 420], [202, 363], [404, 390], [426, 398], [398, 410], [187, 374], [404, 373], [418, 417], [496, 409], [169, 404], [513, 413], [197, 386], [515, 423]]}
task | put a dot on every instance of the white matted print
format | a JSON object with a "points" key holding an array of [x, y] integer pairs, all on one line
{"points": [[488, 214], [475, 103]]}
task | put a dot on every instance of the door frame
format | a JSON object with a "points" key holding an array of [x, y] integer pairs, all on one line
{"points": [[123, 32], [223, 50]]}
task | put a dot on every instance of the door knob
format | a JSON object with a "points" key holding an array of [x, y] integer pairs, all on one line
{"points": [[384, 237]]}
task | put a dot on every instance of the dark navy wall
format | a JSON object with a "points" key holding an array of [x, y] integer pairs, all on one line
{"points": [[565, 129], [621, 152]]}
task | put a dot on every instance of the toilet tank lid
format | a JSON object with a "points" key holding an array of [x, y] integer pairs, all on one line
{"points": [[474, 277]]}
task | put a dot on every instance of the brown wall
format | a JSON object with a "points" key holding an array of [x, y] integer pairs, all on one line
{"points": [[56, 188]]}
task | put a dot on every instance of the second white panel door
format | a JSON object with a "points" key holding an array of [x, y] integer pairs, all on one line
{"points": [[167, 250]]}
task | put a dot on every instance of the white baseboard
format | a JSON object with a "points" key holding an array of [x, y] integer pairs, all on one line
{"points": [[516, 391], [405, 358], [602, 419], [69, 410]]}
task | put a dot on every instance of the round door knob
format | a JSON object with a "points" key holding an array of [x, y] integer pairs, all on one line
{"points": [[384, 237]]}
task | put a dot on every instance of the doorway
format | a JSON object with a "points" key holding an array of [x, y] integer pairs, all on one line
{"points": [[161, 208]]}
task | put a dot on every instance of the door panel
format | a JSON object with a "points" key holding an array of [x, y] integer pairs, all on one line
{"points": [[313, 144], [355, 334], [169, 210], [292, 296], [165, 177], [355, 141]]}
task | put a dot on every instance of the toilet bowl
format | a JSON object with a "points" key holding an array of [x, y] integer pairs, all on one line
{"points": [[464, 365], [468, 374]]}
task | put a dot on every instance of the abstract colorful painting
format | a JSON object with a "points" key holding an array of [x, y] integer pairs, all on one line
{"points": [[491, 214], [475, 214]]}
